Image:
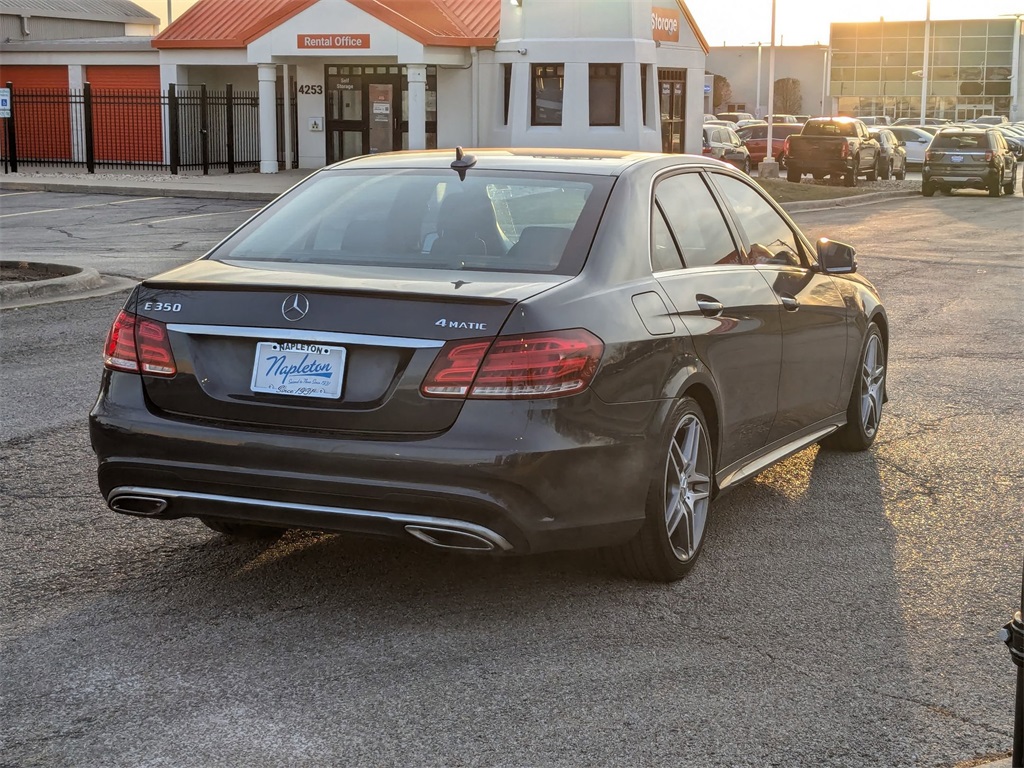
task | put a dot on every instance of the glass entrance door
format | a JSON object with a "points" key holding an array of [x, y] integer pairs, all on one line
{"points": [[367, 110], [672, 87]]}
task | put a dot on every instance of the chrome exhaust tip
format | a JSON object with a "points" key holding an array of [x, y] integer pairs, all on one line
{"points": [[142, 506], [448, 538]]}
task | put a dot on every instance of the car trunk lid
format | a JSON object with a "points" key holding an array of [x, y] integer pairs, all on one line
{"points": [[251, 341]]}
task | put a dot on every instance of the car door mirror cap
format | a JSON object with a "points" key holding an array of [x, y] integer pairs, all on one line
{"points": [[836, 258]]}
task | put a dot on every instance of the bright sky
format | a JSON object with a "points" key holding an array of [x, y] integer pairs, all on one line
{"points": [[805, 22], [797, 22]]}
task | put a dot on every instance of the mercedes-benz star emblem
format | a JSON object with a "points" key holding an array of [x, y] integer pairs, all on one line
{"points": [[295, 307]]}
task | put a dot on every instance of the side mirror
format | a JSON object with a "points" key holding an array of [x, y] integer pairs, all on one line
{"points": [[836, 258], [903, 143]]}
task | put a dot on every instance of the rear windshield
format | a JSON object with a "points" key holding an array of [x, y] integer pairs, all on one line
{"points": [[960, 141], [761, 131], [830, 129], [493, 220]]}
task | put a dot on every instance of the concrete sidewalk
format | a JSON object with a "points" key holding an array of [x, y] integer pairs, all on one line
{"points": [[263, 187], [223, 186]]}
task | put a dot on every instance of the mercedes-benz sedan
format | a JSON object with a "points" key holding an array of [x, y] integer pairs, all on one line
{"points": [[515, 352]]}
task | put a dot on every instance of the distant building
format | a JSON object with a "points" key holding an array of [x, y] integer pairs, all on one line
{"points": [[974, 68], [739, 65]]}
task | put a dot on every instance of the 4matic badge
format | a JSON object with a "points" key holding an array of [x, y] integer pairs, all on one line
{"points": [[461, 325]]}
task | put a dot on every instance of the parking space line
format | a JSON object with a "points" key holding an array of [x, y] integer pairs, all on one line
{"points": [[12, 194], [194, 216], [77, 207]]}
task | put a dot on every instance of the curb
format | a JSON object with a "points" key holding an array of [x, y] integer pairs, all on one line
{"points": [[118, 189], [848, 202], [81, 283]]}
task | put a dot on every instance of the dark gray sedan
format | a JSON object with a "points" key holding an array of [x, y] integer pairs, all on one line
{"points": [[515, 352]]}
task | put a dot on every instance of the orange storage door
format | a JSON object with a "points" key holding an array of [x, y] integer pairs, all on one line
{"points": [[42, 113], [127, 116]]}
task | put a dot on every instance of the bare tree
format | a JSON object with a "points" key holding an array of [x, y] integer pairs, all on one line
{"points": [[722, 92], [788, 100]]}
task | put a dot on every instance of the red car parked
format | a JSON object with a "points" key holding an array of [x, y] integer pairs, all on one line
{"points": [[756, 137]]}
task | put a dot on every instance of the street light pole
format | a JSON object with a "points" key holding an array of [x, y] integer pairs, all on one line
{"points": [[771, 90], [924, 68], [757, 101], [169, 12]]}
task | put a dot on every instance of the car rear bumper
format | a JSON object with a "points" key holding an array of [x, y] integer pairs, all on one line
{"points": [[974, 179], [509, 476]]}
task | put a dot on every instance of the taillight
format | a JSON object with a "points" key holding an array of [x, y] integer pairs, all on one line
{"points": [[988, 156], [785, 146], [844, 151], [929, 156], [516, 367], [139, 345]]}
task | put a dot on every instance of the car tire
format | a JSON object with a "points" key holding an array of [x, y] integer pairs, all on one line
{"points": [[886, 172], [746, 166], [927, 188], [793, 176], [872, 175], [995, 187], [678, 501], [864, 412], [1011, 186], [850, 178], [818, 176], [902, 174], [249, 531]]}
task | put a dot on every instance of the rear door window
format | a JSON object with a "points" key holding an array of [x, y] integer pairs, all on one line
{"points": [[696, 222]]}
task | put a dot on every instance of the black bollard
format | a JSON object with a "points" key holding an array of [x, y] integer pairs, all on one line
{"points": [[1013, 635]]}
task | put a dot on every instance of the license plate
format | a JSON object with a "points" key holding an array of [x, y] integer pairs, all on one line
{"points": [[303, 370], [956, 158]]}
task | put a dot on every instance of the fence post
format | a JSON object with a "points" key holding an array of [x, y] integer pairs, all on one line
{"points": [[230, 101], [90, 149], [12, 144], [173, 128], [204, 128]]}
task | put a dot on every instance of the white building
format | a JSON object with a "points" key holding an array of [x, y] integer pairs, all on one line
{"points": [[364, 76], [745, 66]]}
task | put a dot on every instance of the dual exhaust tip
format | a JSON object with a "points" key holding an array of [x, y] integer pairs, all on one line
{"points": [[434, 535]]}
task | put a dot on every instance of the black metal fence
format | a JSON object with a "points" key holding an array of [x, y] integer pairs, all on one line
{"points": [[184, 128]]}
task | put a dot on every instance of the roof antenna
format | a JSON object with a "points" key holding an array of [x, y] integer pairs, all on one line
{"points": [[463, 163]]}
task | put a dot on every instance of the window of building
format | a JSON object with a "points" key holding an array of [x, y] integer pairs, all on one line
{"points": [[696, 223], [506, 87], [547, 93], [643, 91], [605, 88]]}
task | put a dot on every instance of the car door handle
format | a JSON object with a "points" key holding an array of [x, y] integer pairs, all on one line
{"points": [[789, 302], [710, 307]]}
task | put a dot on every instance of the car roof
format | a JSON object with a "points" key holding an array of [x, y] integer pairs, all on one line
{"points": [[583, 161]]}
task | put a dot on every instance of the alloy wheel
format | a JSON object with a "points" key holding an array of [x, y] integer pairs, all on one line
{"points": [[872, 386], [687, 487]]}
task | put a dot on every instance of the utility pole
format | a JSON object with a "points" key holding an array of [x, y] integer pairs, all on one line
{"points": [[924, 68]]}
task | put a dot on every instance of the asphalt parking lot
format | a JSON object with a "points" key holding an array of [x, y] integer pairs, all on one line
{"points": [[843, 614]]}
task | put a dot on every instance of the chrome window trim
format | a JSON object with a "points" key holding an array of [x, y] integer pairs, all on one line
{"points": [[295, 334]]}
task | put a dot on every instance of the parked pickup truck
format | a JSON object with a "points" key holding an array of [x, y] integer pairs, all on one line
{"points": [[832, 146]]}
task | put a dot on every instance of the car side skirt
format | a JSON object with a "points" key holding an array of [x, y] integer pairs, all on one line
{"points": [[748, 467]]}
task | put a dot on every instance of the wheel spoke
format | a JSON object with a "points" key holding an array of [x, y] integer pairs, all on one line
{"points": [[676, 515], [691, 443]]}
